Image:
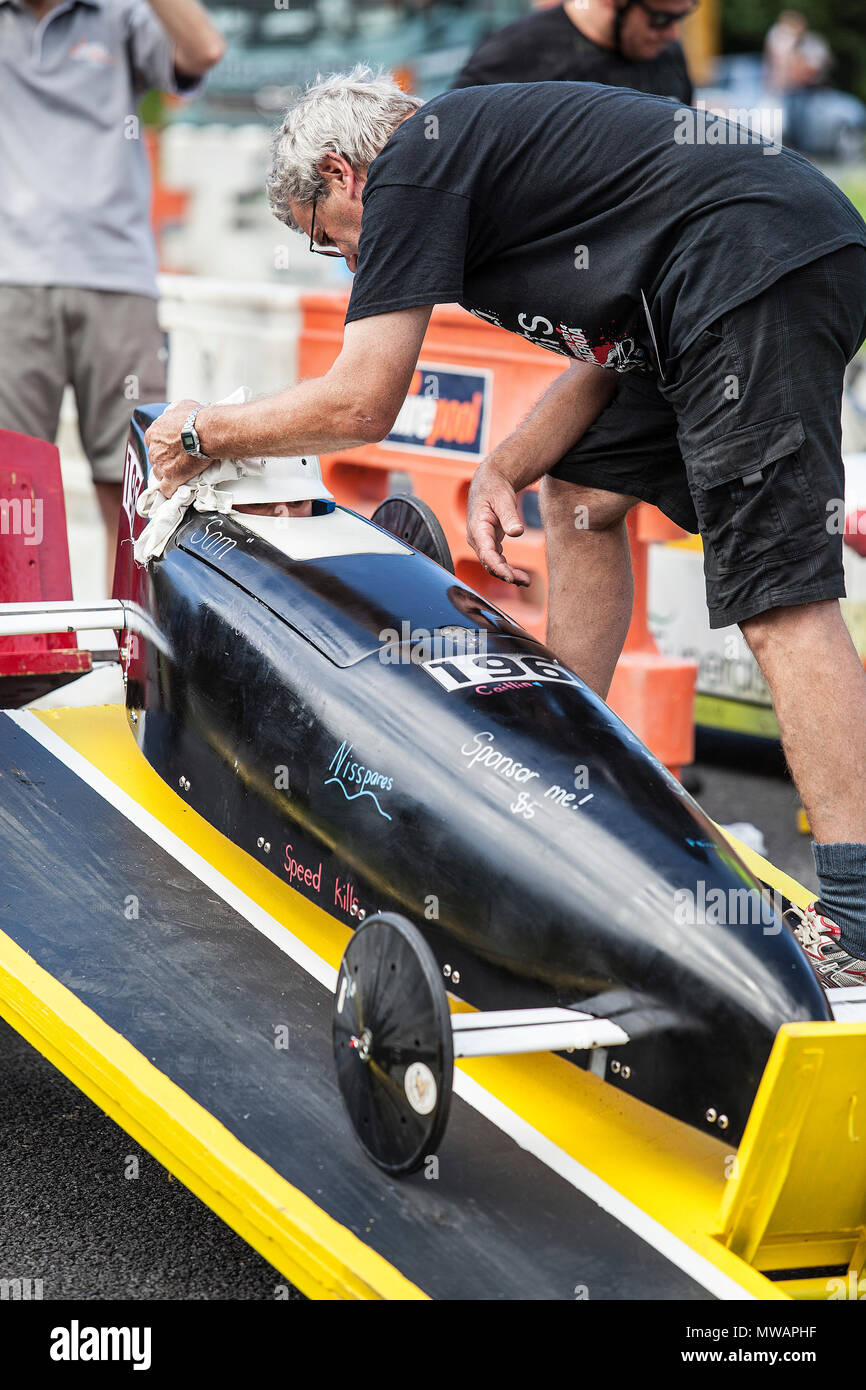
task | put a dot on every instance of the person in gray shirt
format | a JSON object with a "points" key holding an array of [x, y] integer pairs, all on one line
{"points": [[77, 256]]}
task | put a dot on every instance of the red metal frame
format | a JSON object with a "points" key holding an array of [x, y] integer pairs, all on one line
{"points": [[34, 554]]}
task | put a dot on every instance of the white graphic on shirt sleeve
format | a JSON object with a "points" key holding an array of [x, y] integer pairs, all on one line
{"points": [[626, 356], [536, 323], [488, 315], [622, 355]]}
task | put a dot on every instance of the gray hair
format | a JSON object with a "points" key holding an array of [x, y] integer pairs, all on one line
{"points": [[351, 114]]}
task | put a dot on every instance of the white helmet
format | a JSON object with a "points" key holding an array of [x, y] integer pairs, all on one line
{"points": [[280, 480]]}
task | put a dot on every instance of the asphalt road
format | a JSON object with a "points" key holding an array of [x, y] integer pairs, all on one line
{"points": [[70, 1215]]}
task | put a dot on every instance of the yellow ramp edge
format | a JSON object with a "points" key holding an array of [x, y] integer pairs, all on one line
{"points": [[669, 1170], [317, 1254], [798, 1196], [767, 872], [797, 1199]]}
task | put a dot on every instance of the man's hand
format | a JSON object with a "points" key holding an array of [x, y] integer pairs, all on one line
{"points": [[168, 458], [491, 514], [199, 45], [556, 421]]}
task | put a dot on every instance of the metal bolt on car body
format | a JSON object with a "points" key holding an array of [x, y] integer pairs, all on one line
{"points": [[711, 1116], [362, 913], [267, 846], [615, 1065], [260, 841], [362, 1044], [722, 1122], [625, 1073], [455, 977], [133, 717], [446, 971], [184, 784]]}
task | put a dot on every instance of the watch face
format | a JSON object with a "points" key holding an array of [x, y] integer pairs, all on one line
{"points": [[189, 441]]}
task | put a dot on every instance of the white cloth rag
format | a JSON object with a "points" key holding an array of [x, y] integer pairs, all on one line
{"points": [[166, 513]]}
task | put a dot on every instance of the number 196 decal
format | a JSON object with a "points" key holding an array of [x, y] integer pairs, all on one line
{"points": [[469, 670]]}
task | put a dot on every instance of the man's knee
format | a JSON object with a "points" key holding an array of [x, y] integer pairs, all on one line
{"points": [[792, 623], [571, 508]]}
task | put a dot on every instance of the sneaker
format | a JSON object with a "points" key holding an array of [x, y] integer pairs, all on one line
{"points": [[820, 938]]}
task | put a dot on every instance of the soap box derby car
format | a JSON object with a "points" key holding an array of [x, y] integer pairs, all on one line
{"points": [[460, 797]]}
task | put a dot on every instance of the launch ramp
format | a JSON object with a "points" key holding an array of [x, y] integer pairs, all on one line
{"points": [[188, 991]]}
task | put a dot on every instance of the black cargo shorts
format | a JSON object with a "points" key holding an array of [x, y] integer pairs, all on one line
{"points": [[742, 441]]}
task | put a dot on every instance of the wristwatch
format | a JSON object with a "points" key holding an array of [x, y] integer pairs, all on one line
{"points": [[189, 435]]}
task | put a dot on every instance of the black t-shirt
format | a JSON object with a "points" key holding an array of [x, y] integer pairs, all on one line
{"points": [[551, 208], [546, 47]]}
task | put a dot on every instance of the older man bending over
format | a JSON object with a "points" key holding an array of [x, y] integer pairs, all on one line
{"points": [[708, 290]]}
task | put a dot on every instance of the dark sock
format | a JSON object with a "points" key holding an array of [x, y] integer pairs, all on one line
{"points": [[841, 870]]}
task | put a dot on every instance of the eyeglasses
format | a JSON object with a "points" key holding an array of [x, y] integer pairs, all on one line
{"points": [[320, 250], [663, 19]]}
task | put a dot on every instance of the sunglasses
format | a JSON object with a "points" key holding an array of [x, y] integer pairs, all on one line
{"points": [[320, 250], [663, 19]]}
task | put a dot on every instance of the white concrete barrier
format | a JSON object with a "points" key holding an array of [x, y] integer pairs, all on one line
{"points": [[224, 334], [228, 230]]}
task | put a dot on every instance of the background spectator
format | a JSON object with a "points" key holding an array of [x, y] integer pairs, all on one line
{"points": [[796, 61], [632, 44], [793, 55], [77, 258]]}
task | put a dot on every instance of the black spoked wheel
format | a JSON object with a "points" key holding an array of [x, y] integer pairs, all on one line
{"points": [[393, 1045], [412, 520]]}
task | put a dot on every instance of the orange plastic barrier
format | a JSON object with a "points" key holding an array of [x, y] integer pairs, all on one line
{"points": [[473, 386], [503, 376], [167, 205]]}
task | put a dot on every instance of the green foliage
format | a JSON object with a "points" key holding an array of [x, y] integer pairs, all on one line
{"points": [[853, 185], [152, 109], [745, 22]]}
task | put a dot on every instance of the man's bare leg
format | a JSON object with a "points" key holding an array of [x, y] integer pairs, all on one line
{"points": [[590, 579], [819, 695]]}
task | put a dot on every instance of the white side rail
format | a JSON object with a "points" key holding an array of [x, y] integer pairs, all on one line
{"points": [[506, 1031], [19, 619], [67, 615], [848, 1005]]}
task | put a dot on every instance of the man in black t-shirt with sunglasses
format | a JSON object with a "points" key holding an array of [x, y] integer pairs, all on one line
{"points": [[622, 43]]}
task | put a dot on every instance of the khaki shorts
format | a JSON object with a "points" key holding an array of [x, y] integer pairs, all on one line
{"points": [[107, 346]]}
